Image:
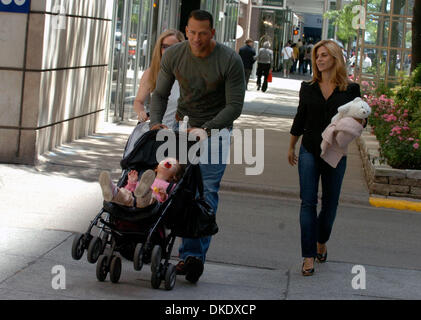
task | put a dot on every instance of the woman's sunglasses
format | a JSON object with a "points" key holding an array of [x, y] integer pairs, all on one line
{"points": [[165, 46]]}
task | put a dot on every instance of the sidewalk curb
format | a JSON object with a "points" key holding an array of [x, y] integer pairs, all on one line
{"points": [[395, 204]]}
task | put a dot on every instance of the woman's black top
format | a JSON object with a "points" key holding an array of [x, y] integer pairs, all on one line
{"points": [[314, 112]]}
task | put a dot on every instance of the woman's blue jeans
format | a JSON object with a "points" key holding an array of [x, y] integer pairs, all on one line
{"points": [[317, 228], [212, 167]]}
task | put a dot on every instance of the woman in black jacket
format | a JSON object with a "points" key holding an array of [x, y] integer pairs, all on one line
{"points": [[319, 100]]}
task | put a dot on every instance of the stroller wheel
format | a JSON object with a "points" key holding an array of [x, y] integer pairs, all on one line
{"points": [[102, 267], [170, 277], [115, 269], [156, 280], [156, 258], [78, 246], [138, 257], [94, 249]]}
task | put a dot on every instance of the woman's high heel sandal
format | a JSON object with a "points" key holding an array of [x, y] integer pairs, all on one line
{"points": [[322, 257], [307, 272]]}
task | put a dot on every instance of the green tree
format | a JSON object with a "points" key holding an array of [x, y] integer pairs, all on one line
{"points": [[343, 20]]}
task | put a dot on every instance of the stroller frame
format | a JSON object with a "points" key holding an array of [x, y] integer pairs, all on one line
{"points": [[156, 249], [151, 244], [121, 231]]}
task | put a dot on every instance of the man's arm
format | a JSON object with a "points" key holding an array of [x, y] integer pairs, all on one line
{"points": [[160, 95], [235, 86]]}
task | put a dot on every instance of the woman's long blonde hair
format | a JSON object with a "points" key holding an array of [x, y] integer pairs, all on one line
{"points": [[339, 76], [156, 55]]}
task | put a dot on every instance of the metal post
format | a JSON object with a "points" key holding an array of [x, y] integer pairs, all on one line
{"points": [[325, 26]]}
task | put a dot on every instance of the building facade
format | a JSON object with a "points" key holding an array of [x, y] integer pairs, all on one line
{"points": [[65, 65], [384, 45], [53, 73]]}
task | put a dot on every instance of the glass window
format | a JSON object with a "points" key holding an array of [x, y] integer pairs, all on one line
{"points": [[410, 8], [394, 62], [369, 61], [380, 6], [397, 39], [144, 23], [408, 36], [399, 7]]}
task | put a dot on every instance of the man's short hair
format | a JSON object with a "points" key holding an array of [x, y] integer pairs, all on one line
{"points": [[201, 15], [249, 40]]}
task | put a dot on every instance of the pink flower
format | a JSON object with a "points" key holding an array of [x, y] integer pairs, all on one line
{"points": [[416, 145], [410, 139]]}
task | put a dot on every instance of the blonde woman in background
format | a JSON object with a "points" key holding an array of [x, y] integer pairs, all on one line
{"points": [[148, 81]]}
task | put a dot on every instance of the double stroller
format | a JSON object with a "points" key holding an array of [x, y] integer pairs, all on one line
{"points": [[146, 235]]}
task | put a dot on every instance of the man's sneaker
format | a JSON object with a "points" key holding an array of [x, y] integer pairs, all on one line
{"points": [[194, 269]]}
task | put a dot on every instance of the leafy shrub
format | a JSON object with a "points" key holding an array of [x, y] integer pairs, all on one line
{"points": [[396, 120]]}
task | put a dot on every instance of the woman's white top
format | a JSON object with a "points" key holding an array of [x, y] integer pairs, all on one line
{"points": [[169, 116]]}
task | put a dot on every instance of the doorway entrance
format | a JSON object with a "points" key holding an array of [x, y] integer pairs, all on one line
{"points": [[136, 26]]}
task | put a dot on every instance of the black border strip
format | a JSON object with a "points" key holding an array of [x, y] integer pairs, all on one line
{"points": [[52, 69], [69, 15], [20, 128]]}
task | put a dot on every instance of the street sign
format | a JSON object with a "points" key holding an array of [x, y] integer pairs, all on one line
{"points": [[21, 6]]}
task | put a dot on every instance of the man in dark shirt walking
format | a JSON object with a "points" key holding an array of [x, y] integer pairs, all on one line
{"points": [[212, 89], [247, 54]]}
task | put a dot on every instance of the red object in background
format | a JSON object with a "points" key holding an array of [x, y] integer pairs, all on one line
{"points": [[270, 76]]}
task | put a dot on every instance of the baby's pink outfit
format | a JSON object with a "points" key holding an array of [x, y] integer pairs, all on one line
{"points": [[161, 185], [131, 185]]}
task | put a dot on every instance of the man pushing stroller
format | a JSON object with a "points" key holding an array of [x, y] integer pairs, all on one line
{"points": [[212, 88]]}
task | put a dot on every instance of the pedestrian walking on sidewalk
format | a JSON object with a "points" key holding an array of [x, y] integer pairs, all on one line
{"points": [[148, 81], [295, 54], [247, 54], [264, 64], [307, 57], [319, 100], [287, 59], [301, 53], [212, 89]]}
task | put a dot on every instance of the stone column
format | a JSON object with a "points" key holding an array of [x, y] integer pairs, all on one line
{"points": [[53, 75]]}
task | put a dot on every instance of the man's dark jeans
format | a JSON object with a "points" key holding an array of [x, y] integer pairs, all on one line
{"points": [[317, 228]]}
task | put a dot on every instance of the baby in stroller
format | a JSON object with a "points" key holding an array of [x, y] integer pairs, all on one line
{"points": [[140, 221], [152, 186]]}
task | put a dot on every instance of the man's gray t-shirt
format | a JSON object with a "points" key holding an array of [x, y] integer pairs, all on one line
{"points": [[211, 89]]}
